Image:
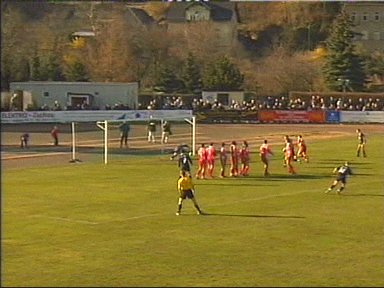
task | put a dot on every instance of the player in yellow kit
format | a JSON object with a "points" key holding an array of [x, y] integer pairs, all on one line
{"points": [[186, 190], [361, 144]]}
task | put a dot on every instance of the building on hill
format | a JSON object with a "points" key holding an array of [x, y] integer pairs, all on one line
{"points": [[136, 18], [221, 16], [139, 18], [368, 18]]}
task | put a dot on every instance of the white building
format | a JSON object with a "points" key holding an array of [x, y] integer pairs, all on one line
{"points": [[368, 18], [72, 94]]}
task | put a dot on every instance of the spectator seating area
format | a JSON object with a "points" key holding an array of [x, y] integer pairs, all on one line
{"points": [[315, 102]]}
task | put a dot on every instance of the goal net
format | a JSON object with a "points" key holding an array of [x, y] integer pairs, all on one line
{"points": [[182, 131]]}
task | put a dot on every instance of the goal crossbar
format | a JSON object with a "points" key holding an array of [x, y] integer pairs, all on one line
{"points": [[103, 125]]}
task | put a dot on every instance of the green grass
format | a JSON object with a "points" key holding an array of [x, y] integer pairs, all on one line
{"points": [[89, 224]]}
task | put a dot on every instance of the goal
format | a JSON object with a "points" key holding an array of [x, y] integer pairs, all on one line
{"points": [[183, 132]]}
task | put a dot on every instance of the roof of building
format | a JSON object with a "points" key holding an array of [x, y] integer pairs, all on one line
{"points": [[69, 83], [84, 33], [139, 17], [220, 11]]}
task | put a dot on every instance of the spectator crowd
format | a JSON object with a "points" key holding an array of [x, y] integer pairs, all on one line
{"points": [[267, 103]]}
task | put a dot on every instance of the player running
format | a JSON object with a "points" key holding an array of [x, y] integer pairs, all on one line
{"points": [[342, 173], [265, 153], [302, 149], [289, 154]]}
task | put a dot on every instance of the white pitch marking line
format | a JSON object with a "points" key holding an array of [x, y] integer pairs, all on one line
{"points": [[66, 219], [17, 156], [221, 204], [161, 214]]}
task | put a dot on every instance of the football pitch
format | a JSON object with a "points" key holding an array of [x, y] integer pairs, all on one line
{"points": [[114, 225]]}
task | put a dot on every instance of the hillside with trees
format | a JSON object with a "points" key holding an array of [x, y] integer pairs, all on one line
{"points": [[274, 55]]}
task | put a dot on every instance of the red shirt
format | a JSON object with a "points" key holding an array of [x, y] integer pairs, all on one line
{"points": [[244, 154], [202, 152], [211, 153], [55, 132], [301, 143], [234, 152]]}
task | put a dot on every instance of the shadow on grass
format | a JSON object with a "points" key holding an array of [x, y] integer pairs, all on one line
{"points": [[276, 177], [253, 216], [363, 174], [228, 184], [285, 177], [341, 161], [360, 163], [331, 161]]}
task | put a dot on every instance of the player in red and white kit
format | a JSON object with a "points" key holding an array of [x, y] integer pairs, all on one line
{"points": [[265, 153], [223, 159], [211, 155], [202, 153], [245, 159], [234, 153], [289, 154], [301, 149]]}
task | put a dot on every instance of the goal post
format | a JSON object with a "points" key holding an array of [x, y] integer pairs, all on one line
{"points": [[103, 125], [73, 143], [106, 125]]}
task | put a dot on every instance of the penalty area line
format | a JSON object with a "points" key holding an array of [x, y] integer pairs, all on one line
{"points": [[321, 191], [65, 219], [217, 205], [161, 214]]}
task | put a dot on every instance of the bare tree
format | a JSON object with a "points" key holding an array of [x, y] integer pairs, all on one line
{"points": [[108, 54], [203, 39], [280, 73]]}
